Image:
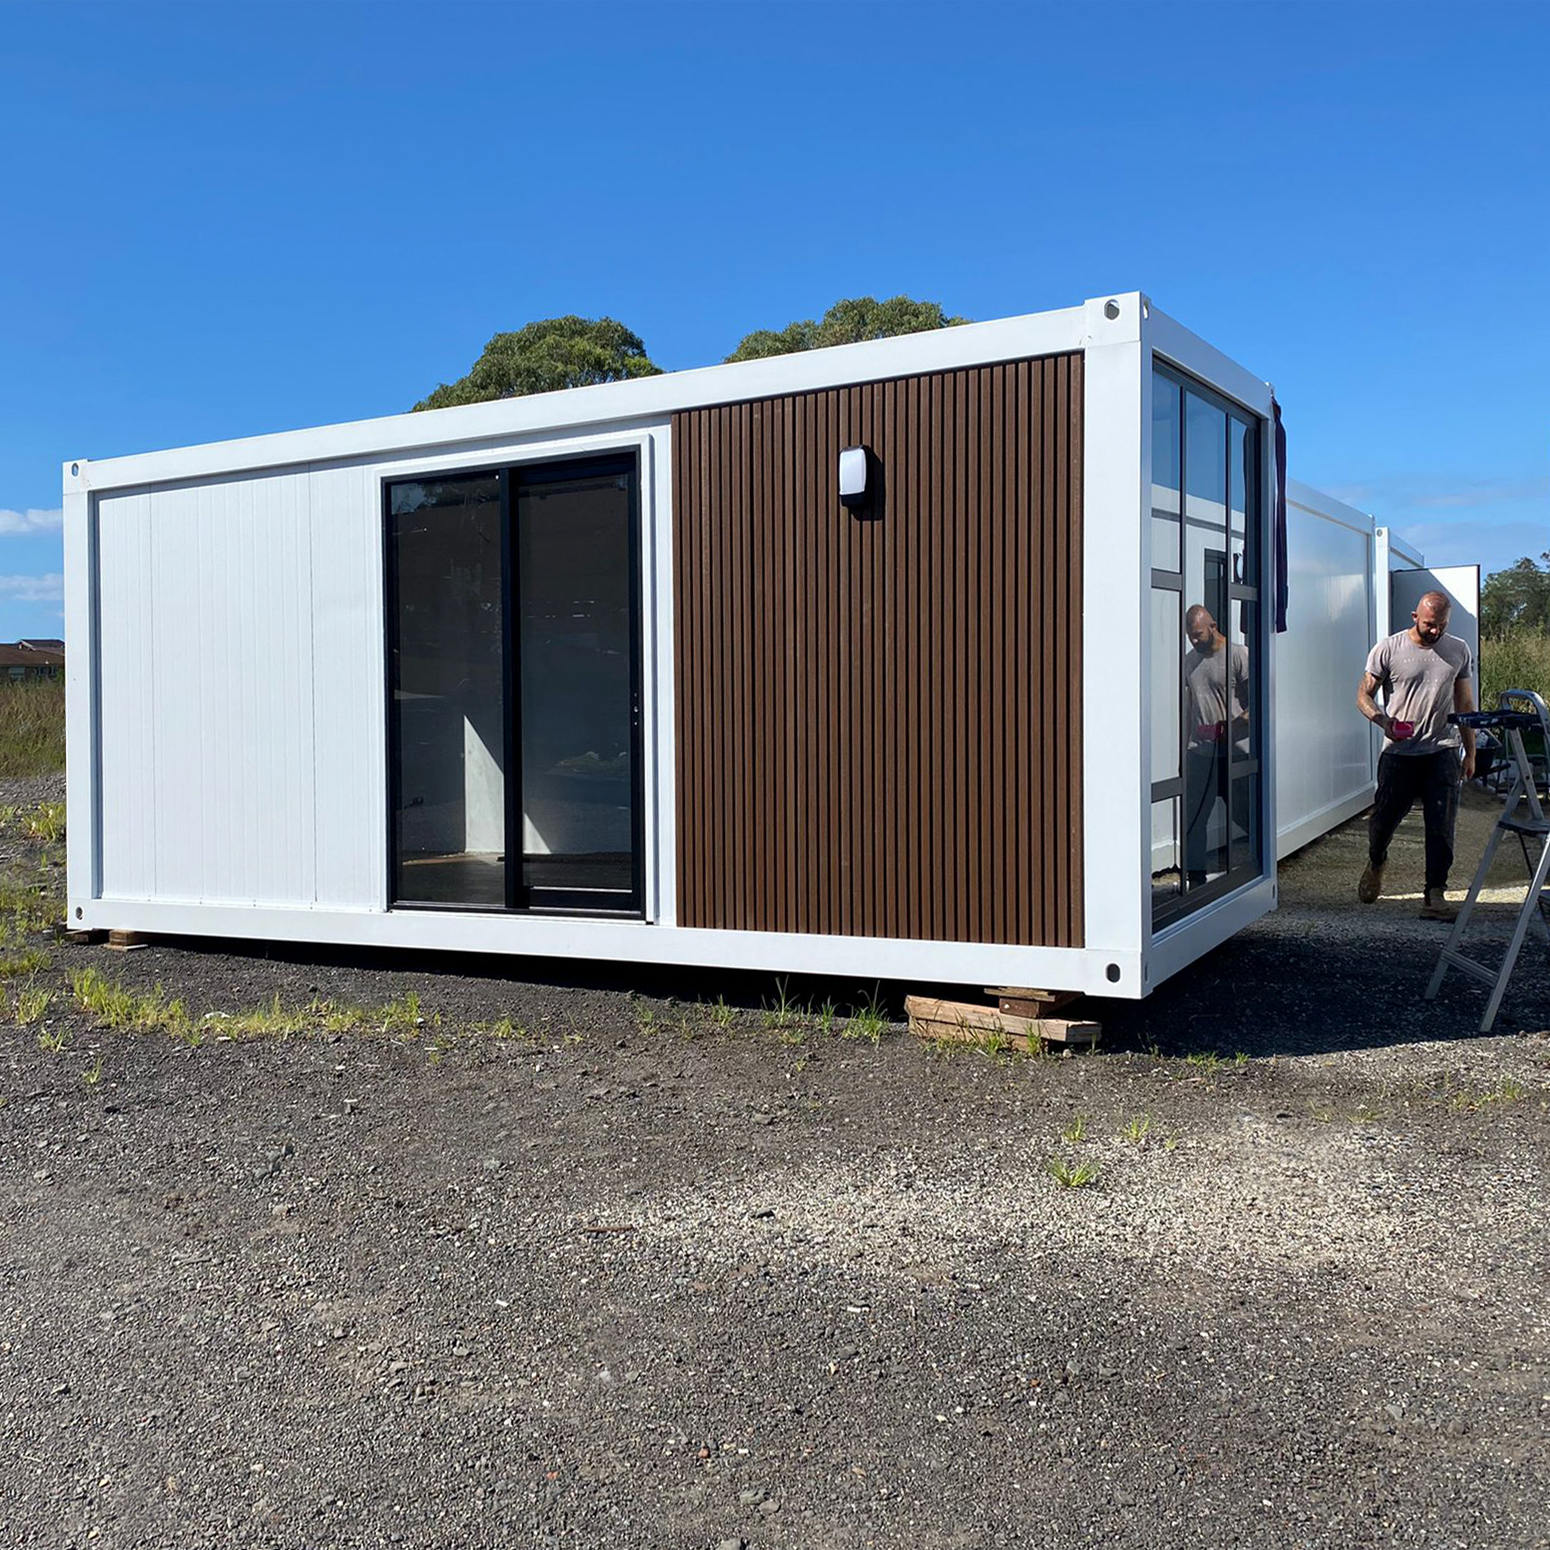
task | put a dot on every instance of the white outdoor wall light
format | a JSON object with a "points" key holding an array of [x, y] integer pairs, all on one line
{"points": [[854, 463]]}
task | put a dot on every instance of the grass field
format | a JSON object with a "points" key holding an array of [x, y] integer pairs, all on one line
{"points": [[32, 727], [1517, 660]]}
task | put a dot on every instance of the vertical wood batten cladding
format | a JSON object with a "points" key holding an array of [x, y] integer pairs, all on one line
{"points": [[878, 717]]}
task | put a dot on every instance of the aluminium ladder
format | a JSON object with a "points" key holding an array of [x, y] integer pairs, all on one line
{"points": [[1519, 711]]}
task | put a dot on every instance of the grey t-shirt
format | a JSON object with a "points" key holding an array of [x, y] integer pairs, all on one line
{"points": [[1417, 683], [1205, 676]]}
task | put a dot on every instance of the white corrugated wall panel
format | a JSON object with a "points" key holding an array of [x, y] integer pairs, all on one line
{"points": [[175, 616], [218, 659], [348, 693], [128, 712], [1323, 746]]}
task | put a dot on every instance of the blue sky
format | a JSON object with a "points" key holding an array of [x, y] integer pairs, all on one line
{"points": [[221, 220]]}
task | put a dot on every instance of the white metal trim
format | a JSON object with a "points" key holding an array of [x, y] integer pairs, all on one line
{"points": [[1193, 937], [655, 600], [1318, 504], [1177, 345], [1269, 766], [541, 447], [1185, 940], [1115, 575], [970, 344], [83, 854], [965, 963], [662, 815]]}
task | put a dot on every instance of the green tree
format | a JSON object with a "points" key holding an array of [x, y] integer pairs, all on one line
{"points": [[846, 322], [545, 356], [1517, 598]]}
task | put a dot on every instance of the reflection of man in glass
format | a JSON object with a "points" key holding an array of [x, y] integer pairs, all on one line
{"points": [[1216, 682]]}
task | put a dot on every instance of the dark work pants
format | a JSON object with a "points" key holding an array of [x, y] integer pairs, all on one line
{"points": [[1205, 787], [1434, 778], [1204, 769]]}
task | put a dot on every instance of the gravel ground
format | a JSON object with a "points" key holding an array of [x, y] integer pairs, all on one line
{"points": [[645, 1272]]}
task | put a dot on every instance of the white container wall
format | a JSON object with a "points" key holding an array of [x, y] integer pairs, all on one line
{"points": [[1326, 756], [241, 688]]}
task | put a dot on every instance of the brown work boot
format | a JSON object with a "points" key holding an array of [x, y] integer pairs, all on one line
{"points": [[1371, 885], [1436, 906]]}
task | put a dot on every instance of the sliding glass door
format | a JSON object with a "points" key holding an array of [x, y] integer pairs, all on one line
{"points": [[1206, 678], [514, 654], [576, 684]]}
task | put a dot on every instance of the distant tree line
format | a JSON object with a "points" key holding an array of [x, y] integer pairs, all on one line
{"points": [[1515, 629], [567, 352], [1517, 598]]}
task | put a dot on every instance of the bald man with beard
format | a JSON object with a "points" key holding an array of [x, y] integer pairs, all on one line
{"points": [[1424, 676]]}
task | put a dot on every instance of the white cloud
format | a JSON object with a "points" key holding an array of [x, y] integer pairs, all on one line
{"points": [[14, 522], [1487, 492], [33, 589], [1396, 492]]}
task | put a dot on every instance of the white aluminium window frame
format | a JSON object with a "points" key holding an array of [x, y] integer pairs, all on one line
{"points": [[650, 443], [1164, 341]]}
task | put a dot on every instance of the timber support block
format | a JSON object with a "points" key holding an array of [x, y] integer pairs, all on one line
{"points": [[961, 1022]]}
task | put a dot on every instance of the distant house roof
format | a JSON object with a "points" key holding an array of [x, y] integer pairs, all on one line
{"points": [[33, 654]]}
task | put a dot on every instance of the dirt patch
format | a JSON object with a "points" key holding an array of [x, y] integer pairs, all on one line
{"points": [[629, 1266]]}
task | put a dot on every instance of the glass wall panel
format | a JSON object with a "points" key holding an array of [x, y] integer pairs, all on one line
{"points": [[1167, 881], [1205, 818], [1207, 674], [1245, 821], [449, 709], [1165, 474], [1244, 696], [575, 626], [1205, 462], [1214, 634], [1243, 500], [1167, 687]]}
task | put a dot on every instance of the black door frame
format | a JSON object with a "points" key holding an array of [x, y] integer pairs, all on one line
{"points": [[520, 897]]}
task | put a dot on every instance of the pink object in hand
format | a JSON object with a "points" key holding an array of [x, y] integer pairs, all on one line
{"points": [[1400, 730]]}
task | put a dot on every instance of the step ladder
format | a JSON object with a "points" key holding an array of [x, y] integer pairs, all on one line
{"points": [[1518, 711]]}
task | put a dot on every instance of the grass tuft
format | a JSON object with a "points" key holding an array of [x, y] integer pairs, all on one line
{"points": [[111, 1005], [31, 1003], [867, 1021], [1071, 1175]]}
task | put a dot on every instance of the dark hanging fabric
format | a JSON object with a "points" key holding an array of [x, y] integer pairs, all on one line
{"points": [[1279, 582]]}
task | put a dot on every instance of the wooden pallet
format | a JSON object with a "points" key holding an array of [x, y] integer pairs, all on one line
{"points": [[963, 1022]]}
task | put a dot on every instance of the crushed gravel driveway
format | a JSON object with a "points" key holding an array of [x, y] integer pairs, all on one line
{"points": [[645, 1268]]}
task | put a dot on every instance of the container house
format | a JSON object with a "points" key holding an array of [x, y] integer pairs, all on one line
{"points": [[883, 661]]}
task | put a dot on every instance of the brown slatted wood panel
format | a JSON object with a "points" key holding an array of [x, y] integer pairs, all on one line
{"points": [[879, 718]]}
